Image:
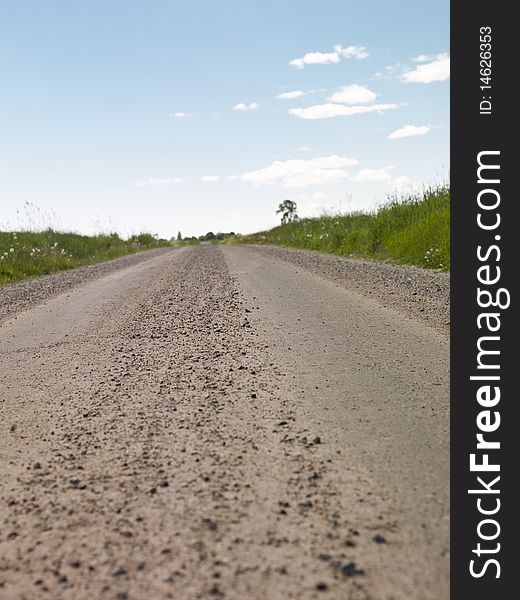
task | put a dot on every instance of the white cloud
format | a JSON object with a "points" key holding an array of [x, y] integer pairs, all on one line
{"points": [[422, 58], [366, 175], [305, 148], [359, 52], [179, 180], [436, 70], [313, 208], [296, 173], [209, 178], [290, 95], [298, 63], [402, 182], [320, 196], [329, 110], [353, 94], [154, 182], [300, 173], [324, 58], [243, 107], [315, 58], [179, 115], [389, 72], [408, 131]]}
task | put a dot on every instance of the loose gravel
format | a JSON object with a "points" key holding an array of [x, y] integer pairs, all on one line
{"points": [[24, 294], [195, 426], [422, 293], [156, 454]]}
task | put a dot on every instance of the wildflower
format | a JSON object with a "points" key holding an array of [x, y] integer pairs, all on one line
{"points": [[11, 250], [55, 245]]}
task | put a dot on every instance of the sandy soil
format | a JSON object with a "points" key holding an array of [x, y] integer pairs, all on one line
{"points": [[216, 422]]}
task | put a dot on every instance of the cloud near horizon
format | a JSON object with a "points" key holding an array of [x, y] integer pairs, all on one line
{"points": [[383, 175], [366, 175], [156, 181], [300, 173], [402, 182]]}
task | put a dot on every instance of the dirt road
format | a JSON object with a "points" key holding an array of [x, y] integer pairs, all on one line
{"points": [[225, 422]]}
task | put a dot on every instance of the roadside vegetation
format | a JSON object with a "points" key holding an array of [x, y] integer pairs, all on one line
{"points": [[411, 230], [29, 253]]}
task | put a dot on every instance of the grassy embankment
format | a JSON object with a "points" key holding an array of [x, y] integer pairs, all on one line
{"points": [[29, 254], [413, 230]]}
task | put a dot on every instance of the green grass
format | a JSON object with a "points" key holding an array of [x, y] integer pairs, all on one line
{"points": [[29, 254], [412, 230]]}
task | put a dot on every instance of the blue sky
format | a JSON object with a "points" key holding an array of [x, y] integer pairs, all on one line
{"points": [[155, 115]]}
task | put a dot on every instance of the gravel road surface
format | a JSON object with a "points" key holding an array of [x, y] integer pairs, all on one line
{"points": [[226, 422], [24, 294]]}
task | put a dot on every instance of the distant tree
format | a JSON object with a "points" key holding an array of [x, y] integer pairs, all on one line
{"points": [[209, 236], [179, 236], [288, 210]]}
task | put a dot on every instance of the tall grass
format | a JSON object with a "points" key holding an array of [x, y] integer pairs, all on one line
{"points": [[412, 230], [32, 253]]}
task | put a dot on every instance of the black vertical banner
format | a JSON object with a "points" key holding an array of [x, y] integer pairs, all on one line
{"points": [[484, 263]]}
